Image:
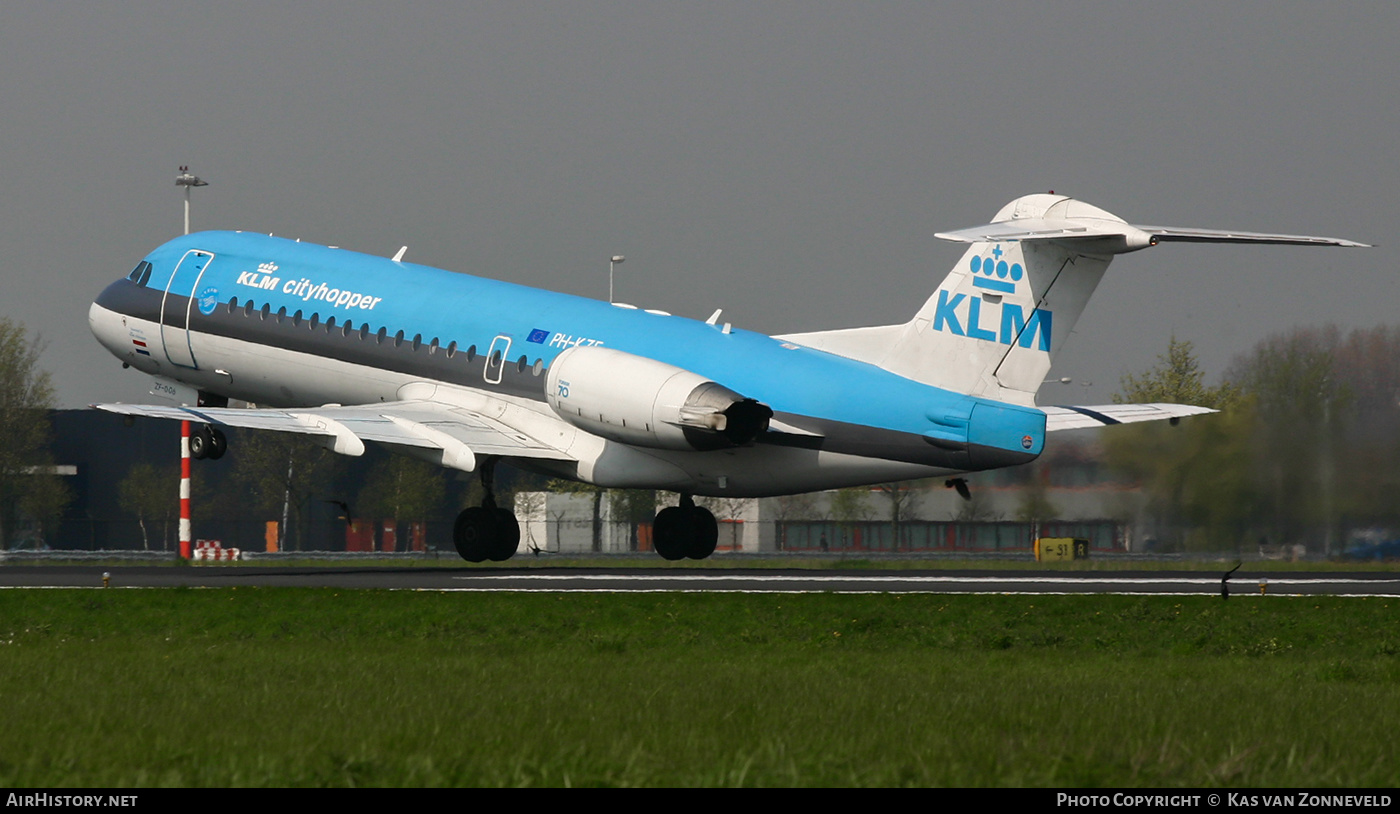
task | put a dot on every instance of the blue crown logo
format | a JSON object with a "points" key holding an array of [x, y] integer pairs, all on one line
{"points": [[995, 274]]}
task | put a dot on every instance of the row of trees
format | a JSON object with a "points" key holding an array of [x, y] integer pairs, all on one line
{"points": [[1305, 449], [32, 495], [1306, 446]]}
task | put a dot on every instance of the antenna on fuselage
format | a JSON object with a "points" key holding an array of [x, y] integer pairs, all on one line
{"points": [[188, 181]]}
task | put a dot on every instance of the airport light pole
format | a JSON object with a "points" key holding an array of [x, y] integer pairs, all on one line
{"points": [[187, 182], [612, 264], [1327, 474]]}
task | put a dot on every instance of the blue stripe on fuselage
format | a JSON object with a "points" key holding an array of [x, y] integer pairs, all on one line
{"points": [[456, 307]]}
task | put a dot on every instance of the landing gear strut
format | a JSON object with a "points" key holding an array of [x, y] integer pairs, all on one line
{"points": [[684, 531], [486, 532]]}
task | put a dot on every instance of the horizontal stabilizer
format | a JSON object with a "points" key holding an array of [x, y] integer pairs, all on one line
{"points": [[1177, 234], [1034, 229], [1078, 418], [1116, 237]]}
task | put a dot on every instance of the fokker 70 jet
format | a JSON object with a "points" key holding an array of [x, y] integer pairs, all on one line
{"points": [[465, 372]]}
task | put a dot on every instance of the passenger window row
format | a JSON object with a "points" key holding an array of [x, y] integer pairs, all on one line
{"points": [[347, 329]]}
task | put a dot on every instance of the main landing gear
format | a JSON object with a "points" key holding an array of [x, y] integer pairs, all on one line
{"points": [[486, 532], [684, 531], [207, 442]]}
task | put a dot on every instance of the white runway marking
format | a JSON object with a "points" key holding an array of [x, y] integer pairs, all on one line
{"points": [[886, 578], [1029, 585]]}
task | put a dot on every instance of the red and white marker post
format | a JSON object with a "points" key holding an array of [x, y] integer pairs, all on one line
{"points": [[185, 536]]}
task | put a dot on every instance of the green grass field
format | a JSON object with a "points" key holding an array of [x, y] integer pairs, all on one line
{"points": [[309, 687]]}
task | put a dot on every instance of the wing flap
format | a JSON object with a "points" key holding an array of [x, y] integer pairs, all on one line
{"points": [[1082, 417]]}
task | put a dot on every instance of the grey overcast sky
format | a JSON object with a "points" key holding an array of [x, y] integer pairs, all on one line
{"points": [[787, 161]]}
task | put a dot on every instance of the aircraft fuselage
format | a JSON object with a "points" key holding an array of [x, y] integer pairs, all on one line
{"points": [[284, 323]]}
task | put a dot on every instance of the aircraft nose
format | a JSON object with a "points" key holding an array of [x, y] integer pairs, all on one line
{"points": [[105, 325], [110, 313], [107, 299]]}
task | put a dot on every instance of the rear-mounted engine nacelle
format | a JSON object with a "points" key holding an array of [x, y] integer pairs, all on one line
{"points": [[641, 401]]}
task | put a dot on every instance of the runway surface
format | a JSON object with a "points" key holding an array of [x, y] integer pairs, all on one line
{"points": [[1009, 581]]}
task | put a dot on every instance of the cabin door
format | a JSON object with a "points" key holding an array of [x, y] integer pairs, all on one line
{"points": [[177, 306]]}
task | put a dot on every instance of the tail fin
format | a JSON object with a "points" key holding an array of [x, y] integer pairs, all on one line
{"points": [[995, 325]]}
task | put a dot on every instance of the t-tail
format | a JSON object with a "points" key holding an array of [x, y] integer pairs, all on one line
{"points": [[995, 325]]}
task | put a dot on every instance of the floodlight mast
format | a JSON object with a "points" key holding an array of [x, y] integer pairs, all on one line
{"points": [[188, 181], [612, 264]]}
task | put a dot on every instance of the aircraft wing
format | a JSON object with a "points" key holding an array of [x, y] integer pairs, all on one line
{"points": [[462, 433], [1078, 418]]}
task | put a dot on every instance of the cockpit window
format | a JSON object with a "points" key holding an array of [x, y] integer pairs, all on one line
{"points": [[141, 274]]}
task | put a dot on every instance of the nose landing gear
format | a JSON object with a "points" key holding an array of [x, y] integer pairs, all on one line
{"points": [[207, 442]]}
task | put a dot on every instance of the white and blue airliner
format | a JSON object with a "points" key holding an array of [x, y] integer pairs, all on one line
{"points": [[463, 371]]}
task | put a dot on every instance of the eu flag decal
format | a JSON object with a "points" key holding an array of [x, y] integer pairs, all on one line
{"points": [[538, 336]]}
